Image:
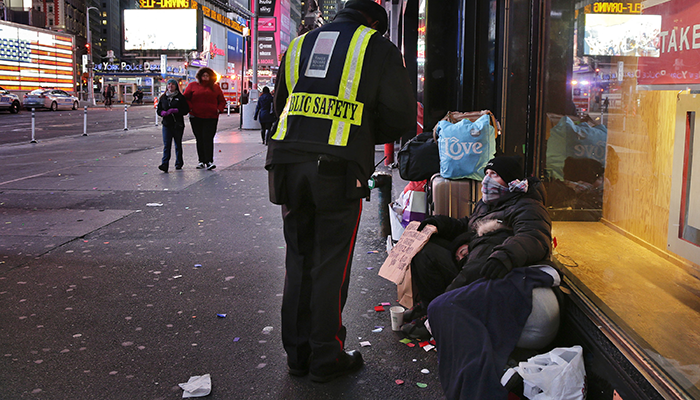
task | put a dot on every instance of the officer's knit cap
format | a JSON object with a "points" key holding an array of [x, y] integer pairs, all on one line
{"points": [[373, 10]]}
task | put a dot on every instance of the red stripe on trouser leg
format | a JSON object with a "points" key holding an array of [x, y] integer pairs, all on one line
{"points": [[345, 276]]}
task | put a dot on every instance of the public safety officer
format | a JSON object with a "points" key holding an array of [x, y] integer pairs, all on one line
{"points": [[341, 89]]}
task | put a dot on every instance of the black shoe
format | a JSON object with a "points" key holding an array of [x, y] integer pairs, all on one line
{"points": [[416, 329], [414, 312], [178, 167], [350, 363], [163, 168]]}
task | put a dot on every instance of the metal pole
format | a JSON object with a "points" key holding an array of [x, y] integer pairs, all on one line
{"points": [[383, 183], [156, 110], [254, 46], [91, 72], [85, 121], [125, 108], [228, 106], [33, 126]]}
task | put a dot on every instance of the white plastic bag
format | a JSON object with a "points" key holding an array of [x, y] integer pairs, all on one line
{"points": [[557, 375]]}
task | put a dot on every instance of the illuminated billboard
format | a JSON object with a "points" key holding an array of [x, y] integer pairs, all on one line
{"points": [[160, 29], [622, 35], [35, 58]]}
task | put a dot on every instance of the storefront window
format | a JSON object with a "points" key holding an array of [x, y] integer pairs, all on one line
{"points": [[622, 168]]}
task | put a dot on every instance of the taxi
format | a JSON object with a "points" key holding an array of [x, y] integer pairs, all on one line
{"points": [[53, 99], [9, 101]]}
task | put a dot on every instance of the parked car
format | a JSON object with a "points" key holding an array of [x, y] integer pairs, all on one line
{"points": [[53, 99], [9, 101]]}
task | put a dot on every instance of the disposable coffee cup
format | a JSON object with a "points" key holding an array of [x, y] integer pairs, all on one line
{"points": [[396, 317]]}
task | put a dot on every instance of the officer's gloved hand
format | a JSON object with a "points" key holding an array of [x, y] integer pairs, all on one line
{"points": [[494, 269], [165, 113], [173, 110], [439, 221]]}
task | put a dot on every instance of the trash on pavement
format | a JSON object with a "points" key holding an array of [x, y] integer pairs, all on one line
{"points": [[197, 386]]}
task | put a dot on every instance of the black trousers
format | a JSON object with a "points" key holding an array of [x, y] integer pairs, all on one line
{"points": [[204, 130], [432, 270], [265, 131], [320, 227]]}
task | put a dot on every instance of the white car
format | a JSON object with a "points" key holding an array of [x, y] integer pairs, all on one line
{"points": [[9, 101], [53, 99]]}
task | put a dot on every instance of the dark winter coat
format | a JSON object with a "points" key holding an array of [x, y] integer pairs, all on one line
{"points": [[516, 230], [179, 102], [264, 109]]}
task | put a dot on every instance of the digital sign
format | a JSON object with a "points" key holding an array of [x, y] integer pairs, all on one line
{"points": [[33, 59], [153, 29]]}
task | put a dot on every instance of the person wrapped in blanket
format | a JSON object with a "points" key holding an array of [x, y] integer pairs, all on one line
{"points": [[471, 284]]}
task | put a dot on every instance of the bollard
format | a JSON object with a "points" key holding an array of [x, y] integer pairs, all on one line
{"points": [[125, 108], [85, 121], [228, 105], [33, 126], [383, 183], [156, 117]]}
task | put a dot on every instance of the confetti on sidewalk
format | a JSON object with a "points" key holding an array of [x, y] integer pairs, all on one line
{"points": [[405, 340], [421, 385], [365, 344], [425, 371], [154, 205], [379, 308], [399, 382], [385, 304], [373, 252], [377, 330], [221, 315]]}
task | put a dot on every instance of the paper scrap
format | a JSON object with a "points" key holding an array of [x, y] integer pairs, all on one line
{"points": [[423, 344], [428, 347], [236, 339], [365, 344], [198, 265], [421, 385], [221, 315], [411, 344], [399, 382], [399, 259], [373, 252], [379, 308], [196, 386], [405, 340], [266, 330], [425, 371], [377, 330], [154, 205], [385, 304]]}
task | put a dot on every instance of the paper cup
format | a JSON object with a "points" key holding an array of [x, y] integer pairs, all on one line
{"points": [[396, 317]]}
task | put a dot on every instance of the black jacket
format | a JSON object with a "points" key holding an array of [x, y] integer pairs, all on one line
{"points": [[516, 230], [174, 119], [384, 89], [264, 109]]}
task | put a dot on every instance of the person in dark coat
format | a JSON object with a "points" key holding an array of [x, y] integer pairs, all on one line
{"points": [[495, 257], [335, 101], [172, 106], [265, 112], [509, 228]]}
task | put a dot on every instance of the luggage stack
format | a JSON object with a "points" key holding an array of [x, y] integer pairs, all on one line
{"points": [[452, 197]]}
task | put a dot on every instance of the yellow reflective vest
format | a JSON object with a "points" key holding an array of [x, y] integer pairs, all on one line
{"points": [[331, 110]]}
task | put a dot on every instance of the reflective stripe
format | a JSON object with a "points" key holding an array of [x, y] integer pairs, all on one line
{"points": [[291, 73], [350, 81], [326, 107], [342, 109]]}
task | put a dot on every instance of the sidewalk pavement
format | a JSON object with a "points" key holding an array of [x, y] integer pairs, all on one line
{"points": [[118, 281]]}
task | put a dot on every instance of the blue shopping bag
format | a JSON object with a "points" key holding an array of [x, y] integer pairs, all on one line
{"points": [[465, 147]]}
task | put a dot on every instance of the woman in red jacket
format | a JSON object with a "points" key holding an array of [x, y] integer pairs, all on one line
{"points": [[206, 101]]}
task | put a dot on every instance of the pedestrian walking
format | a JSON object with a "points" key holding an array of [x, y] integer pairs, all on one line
{"points": [[172, 106], [341, 89], [108, 95], [206, 101], [265, 110]]}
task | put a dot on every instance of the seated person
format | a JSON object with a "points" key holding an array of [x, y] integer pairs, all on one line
{"points": [[509, 228]]}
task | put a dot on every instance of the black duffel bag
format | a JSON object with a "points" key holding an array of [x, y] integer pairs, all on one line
{"points": [[419, 158]]}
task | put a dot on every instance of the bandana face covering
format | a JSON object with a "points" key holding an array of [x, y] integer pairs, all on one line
{"points": [[492, 190]]}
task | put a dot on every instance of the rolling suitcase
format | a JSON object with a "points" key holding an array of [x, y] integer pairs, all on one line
{"points": [[453, 197]]}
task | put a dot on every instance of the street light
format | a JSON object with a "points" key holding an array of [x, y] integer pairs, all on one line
{"points": [[91, 73]]}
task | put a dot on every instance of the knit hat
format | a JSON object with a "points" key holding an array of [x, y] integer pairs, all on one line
{"points": [[373, 10], [508, 168], [173, 81]]}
